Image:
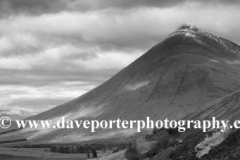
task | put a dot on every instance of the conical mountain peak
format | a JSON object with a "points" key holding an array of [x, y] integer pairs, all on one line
{"points": [[174, 79]]}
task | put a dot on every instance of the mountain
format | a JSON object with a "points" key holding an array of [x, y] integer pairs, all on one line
{"points": [[174, 79]]}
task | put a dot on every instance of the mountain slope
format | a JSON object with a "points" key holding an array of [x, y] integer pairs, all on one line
{"points": [[225, 108], [188, 64], [172, 80]]}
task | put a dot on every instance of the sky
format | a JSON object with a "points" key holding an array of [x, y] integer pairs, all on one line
{"points": [[52, 51]]}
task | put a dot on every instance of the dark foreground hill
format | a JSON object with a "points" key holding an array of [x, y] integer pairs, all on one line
{"points": [[174, 79]]}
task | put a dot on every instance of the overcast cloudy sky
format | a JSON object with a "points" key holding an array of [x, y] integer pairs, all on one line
{"points": [[52, 51]]}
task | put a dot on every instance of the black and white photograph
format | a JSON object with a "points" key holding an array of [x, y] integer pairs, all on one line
{"points": [[119, 80]]}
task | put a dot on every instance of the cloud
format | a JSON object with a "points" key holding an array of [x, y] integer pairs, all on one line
{"points": [[13, 63], [37, 99], [111, 30], [122, 4], [131, 4], [5, 44], [38, 7], [30, 7]]}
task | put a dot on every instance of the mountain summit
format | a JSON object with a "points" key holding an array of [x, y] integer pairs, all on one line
{"points": [[175, 78]]}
